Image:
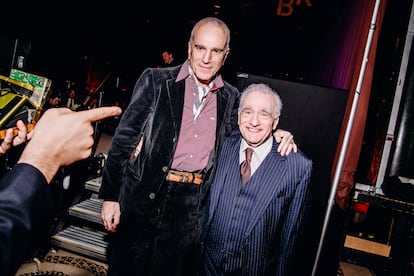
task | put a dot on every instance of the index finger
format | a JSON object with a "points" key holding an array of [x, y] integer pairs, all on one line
{"points": [[100, 113]]}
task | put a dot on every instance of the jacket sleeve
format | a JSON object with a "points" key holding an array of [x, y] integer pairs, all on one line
{"points": [[127, 135], [26, 207], [296, 218]]}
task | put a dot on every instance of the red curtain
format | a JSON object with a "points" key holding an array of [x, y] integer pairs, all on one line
{"points": [[345, 75]]}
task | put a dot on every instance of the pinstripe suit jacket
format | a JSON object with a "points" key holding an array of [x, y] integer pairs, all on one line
{"points": [[276, 220]]}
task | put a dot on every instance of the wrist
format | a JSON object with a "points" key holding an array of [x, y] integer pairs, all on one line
{"points": [[43, 163]]}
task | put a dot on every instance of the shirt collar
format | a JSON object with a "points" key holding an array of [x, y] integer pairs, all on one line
{"points": [[186, 72], [260, 152]]}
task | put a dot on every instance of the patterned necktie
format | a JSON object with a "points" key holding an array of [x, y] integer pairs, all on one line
{"points": [[199, 97], [245, 169]]}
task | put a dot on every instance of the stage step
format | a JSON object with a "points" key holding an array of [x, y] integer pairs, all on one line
{"points": [[94, 184], [85, 241], [81, 230], [89, 209]]}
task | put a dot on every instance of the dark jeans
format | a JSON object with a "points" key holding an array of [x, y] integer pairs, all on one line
{"points": [[164, 243]]}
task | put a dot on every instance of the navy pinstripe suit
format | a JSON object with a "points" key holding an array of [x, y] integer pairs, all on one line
{"points": [[253, 229]]}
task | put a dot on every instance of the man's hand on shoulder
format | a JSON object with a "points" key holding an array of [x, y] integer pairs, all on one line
{"points": [[287, 144]]}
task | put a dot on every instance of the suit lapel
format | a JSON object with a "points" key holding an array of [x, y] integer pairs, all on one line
{"points": [[272, 172], [176, 92], [224, 110], [222, 106], [231, 151]]}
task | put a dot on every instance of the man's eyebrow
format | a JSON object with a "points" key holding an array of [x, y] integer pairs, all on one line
{"points": [[213, 49]]}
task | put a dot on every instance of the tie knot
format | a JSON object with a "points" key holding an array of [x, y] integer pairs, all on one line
{"points": [[249, 153]]}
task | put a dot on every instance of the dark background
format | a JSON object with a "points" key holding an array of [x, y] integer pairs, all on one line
{"points": [[66, 38], [67, 41]]}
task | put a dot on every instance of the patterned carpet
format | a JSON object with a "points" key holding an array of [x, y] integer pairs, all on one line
{"points": [[62, 263]]}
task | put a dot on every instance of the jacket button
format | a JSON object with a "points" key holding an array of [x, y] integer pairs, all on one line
{"points": [[174, 139], [151, 195], [165, 168]]}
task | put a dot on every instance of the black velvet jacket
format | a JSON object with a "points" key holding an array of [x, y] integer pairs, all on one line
{"points": [[155, 113]]}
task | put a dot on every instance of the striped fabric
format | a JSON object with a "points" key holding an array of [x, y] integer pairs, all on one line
{"points": [[253, 229]]}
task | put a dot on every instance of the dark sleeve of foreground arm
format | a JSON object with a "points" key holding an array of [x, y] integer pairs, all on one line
{"points": [[25, 208]]}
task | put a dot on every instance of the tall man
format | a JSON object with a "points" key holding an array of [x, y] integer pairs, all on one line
{"points": [[253, 225], [162, 158]]}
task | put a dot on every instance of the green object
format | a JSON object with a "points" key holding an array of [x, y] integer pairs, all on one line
{"points": [[41, 86]]}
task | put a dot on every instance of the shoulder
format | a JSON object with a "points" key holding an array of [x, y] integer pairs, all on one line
{"points": [[161, 73], [230, 86], [231, 89], [230, 95], [155, 77], [235, 135], [299, 158], [233, 138], [230, 144], [293, 157]]}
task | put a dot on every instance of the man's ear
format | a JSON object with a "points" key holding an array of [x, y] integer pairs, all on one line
{"points": [[275, 123], [189, 51], [225, 55]]}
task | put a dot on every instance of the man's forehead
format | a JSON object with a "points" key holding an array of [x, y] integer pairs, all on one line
{"points": [[205, 31]]}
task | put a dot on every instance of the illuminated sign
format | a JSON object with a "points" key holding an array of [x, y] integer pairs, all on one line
{"points": [[286, 7]]}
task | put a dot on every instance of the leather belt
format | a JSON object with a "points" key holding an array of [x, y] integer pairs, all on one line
{"points": [[185, 177]]}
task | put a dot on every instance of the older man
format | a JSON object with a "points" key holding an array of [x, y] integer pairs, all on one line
{"points": [[257, 205]]}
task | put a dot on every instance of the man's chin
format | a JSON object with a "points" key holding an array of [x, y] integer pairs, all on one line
{"points": [[253, 143]]}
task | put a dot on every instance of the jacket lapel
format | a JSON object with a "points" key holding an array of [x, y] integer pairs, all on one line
{"points": [[272, 172], [231, 150], [224, 109], [176, 92]]}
